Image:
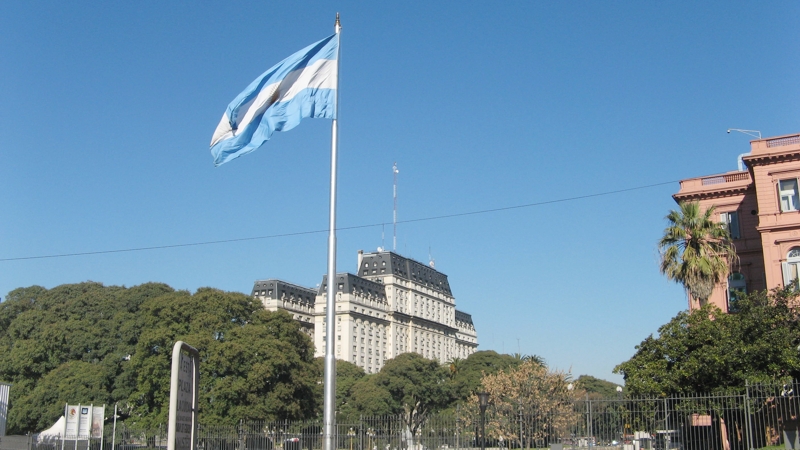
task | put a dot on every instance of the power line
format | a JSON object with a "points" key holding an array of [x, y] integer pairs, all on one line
{"points": [[354, 227]]}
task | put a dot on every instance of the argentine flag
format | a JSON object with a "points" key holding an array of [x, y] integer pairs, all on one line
{"points": [[302, 85]]}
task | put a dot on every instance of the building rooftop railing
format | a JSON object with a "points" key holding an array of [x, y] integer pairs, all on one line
{"points": [[712, 183], [783, 141], [726, 178]]}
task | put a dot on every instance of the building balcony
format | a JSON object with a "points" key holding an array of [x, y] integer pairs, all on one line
{"points": [[726, 184]]}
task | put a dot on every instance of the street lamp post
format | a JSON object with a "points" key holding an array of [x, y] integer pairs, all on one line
{"points": [[483, 399], [619, 408]]}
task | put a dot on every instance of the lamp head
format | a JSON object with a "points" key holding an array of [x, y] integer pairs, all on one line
{"points": [[483, 399]]}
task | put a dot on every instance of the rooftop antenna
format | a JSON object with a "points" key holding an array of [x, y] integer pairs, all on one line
{"points": [[394, 215]]}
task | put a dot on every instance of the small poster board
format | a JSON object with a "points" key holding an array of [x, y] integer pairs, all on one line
{"points": [[83, 422], [98, 416], [183, 395]]}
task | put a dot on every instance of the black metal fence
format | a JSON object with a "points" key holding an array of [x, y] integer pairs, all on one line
{"points": [[755, 417]]}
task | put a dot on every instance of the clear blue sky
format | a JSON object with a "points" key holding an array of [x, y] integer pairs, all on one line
{"points": [[107, 110]]}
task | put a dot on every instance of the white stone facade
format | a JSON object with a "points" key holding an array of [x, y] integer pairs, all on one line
{"points": [[393, 305]]}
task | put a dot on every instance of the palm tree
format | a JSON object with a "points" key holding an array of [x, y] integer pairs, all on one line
{"points": [[696, 250], [456, 364], [536, 359]]}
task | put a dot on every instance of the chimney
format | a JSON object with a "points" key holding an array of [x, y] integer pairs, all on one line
{"points": [[360, 258]]}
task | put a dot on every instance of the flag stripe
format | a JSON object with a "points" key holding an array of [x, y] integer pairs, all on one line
{"points": [[320, 75], [302, 85]]}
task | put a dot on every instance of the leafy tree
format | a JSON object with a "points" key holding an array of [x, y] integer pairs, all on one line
{"points": [[704, 350], [254, 363], [410, 385], [467, 379], [535, 358], [597, 387], [45, 329], [544, 397], [89, 343], [71, 382], [262, 370], [454, 366], [696, 250], [369, 398], [347, 377]]}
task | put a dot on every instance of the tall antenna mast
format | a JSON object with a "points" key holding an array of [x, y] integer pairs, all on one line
{"points": [[394, 215]]}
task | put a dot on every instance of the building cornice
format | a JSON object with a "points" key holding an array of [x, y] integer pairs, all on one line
{"points": [[467, 343], [359, 315], [420, 320], [779, 227], [772, 158], [716, 193]]}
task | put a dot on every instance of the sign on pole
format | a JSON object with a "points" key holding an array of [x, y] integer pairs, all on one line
{"points": [[84, 421], [183, 394], [72, 415], [98, 415]]}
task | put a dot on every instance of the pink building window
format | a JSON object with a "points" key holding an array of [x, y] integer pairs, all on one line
{"points": [[731, 221], [788, 193], [737, 286], [791, 268]]}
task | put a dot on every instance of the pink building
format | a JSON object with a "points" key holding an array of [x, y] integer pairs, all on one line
{"points": [[761, 207]]}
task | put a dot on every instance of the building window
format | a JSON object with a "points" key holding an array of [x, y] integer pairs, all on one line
{"points": [[737, 287], [791, 268], [788, 193], [731, 222]]}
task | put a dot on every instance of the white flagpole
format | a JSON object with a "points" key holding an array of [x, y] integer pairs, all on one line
{"points": [[329, 398]]}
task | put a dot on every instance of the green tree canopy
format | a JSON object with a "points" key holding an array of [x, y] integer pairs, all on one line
{"points": [[254, 363], [417, 385], [696, 250], [45, 329], [597, 387], [466, 374], [84, 343], [705, 350], [347, 377], [369, 398]]}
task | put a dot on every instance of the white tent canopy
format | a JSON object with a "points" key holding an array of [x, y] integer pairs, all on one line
{"points": [[54, 432]]}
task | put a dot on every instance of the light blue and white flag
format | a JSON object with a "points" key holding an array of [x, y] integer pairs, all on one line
{"points": [[302, 85]]}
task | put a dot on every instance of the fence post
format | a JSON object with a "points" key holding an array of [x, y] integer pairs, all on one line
{"points": [[361, 432], [399, 424], [588, 419], [458, 431], [114, 429], [747, 413], [240, 432]]}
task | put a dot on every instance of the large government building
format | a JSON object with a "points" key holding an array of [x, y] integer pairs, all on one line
{"points": [[392, 305], [760, 206]]}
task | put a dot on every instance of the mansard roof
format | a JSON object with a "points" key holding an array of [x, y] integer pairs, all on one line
{"points": [[461, 316], [278, 289], [390, 263], [353, 284]]}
